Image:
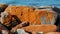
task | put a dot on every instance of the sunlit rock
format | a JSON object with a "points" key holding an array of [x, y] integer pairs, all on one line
{"points": [[41, 28], [53, 33]]}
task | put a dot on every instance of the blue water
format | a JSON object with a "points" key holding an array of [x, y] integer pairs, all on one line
{"points": [[32, 2]]}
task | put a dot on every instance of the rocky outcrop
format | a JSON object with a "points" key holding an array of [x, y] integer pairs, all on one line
{"points": [[34, 17], [31, 19]]}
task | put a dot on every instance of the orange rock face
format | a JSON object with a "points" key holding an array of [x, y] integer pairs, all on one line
{"points": [[34, 17], [53, 33], [21, 12], [40, 28], [39, 20]]}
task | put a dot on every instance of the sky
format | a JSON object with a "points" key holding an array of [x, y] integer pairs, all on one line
{"points": [[32, 2]]}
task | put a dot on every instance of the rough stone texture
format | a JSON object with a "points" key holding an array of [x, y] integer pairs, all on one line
{"points": [[41, 28], [34, 17], [53, 33]]}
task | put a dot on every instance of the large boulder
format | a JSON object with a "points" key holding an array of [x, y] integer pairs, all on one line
{"points": [[34, 17]]}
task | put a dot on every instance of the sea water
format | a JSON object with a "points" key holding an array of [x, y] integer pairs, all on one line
{"points": [[32, 2]]}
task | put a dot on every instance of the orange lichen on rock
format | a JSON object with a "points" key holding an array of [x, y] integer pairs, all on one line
{"points": [[11, 10], [40, 28], [53, 33], [51, 15], [19, 12], [25, 13], [46, 16], [30, 14], [43, 13], [32, 18], [42, 16]]}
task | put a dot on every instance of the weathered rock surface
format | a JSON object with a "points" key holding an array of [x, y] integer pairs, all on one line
{"points": [[41, 28], [38, 19], [53, 33]]}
